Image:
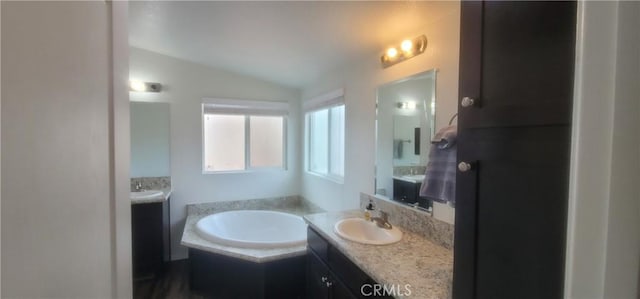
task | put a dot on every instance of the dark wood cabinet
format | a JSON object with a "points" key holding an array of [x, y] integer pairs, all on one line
{"points": [[517, 62], [214, 275], [409, 193], [150, 238], [322, 283], [405, 192], [330, 274]]}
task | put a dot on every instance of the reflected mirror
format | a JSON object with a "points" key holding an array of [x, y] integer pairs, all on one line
{"points": [[405, 128]]}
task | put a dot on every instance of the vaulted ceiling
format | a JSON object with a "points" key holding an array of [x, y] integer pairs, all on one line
{"points": [[289, 43]]}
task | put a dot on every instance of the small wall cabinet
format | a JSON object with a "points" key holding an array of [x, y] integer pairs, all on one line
{"points": [[150, 238], [330, 274]]}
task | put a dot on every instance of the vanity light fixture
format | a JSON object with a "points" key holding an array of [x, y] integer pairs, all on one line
{"points": [[408, 48], [140, 86]]}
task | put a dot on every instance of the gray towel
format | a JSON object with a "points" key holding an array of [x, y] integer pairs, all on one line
{"points": [[446, 137], [397, 148], [440, 178]]}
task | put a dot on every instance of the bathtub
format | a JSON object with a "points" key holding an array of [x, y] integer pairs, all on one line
{"points": [[253, 229]]}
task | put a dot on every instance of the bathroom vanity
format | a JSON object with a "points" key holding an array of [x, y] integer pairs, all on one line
{"points": [[150, 235], [330, 274], [337, 268]]}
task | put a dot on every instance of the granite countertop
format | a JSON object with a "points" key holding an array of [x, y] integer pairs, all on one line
{"points": [[190, 238], [166, 193], [415, 260]]}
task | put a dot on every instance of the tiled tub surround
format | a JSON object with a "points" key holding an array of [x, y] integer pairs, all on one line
{"points": [[424, 265], [293, 204], [417, 221], [152, 183]]}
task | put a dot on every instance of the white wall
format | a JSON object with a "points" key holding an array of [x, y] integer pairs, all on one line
{"points": [[57, 201], [360, 80], [184, 86], [603, 241], [150, 140], [623, 229]]}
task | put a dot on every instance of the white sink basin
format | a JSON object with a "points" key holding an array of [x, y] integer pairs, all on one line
{"points": [[366, 232], [145, 194]]}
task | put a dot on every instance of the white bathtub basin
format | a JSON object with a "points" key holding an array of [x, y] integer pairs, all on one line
{"points": [[253, 229]]}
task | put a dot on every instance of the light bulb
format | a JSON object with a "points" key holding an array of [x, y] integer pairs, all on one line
{"points": [[392, 52], [411, 105], [406, 45], [137, 86]]}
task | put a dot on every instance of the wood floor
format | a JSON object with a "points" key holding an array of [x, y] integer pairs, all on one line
{"points": [[174, 284]]}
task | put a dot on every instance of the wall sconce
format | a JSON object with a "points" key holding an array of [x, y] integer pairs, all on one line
{"points": [[140, 86], [407, 49]]}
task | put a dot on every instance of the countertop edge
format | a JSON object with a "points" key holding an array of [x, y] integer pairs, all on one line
{"points": [[166, 193]]}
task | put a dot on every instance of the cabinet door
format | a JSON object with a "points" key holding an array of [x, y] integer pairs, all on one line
{"points": [[511, 213], [322, 283], [317, 278], [339, 291], [517, 63], [147, 239]]}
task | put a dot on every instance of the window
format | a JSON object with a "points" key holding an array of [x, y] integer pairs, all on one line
{"points": [[243, 135], [324, 132]]}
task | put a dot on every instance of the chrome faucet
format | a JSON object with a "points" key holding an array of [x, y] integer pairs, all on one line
{"points": [[383, 220], [138, 187]]}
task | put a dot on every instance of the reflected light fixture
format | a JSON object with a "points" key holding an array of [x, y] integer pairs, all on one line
{"points": [[139, 86], [407, 105], [409, 48]]}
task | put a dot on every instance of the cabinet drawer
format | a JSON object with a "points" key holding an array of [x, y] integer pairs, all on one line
{"points": [[318, 244]]}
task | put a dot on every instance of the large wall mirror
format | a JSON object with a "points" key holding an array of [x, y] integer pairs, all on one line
{"points": [[405, 128], [150, 140], [404, 121]]}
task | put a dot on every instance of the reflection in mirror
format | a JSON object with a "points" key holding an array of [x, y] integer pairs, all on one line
{"points": [[405, 127], [150, 140]]}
